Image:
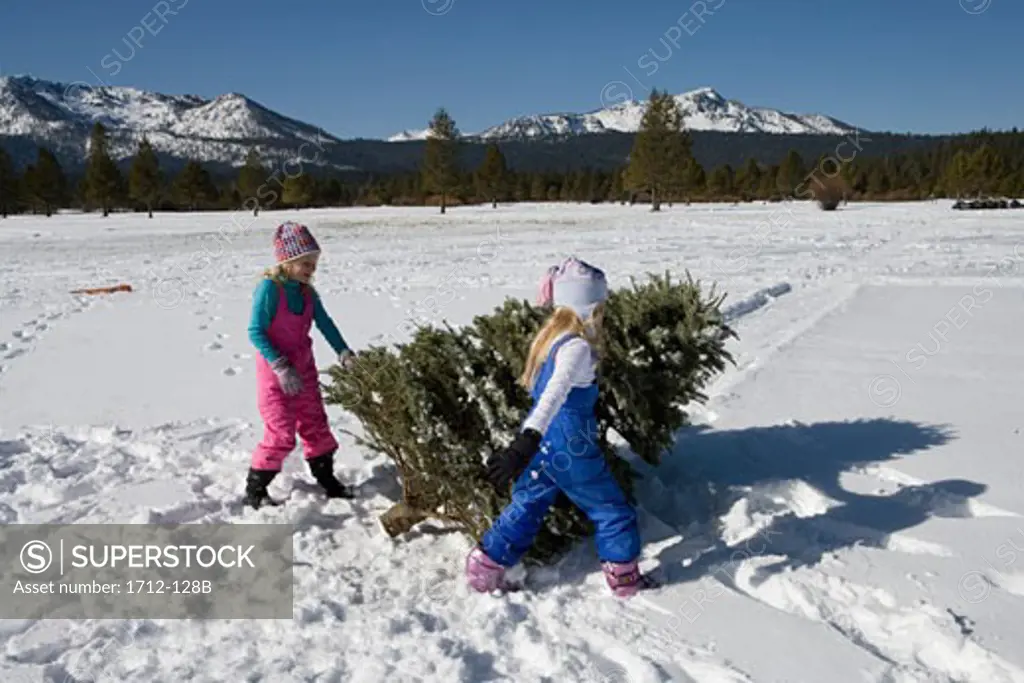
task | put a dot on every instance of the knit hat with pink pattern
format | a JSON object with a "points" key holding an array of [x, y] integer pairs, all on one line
{"points": [[293, 240]]}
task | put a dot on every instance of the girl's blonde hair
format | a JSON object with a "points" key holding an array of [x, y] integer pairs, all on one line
{"points": [[279, 274], [563, 320]]}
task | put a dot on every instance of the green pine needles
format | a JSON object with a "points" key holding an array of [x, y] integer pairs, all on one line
{"points": [[440, 404]]}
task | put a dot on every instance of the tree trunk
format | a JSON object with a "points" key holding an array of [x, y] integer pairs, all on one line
{"points": [[494, 202], [655, 201], [149, 208], [400, 518], [444, 199], [106, 211]]}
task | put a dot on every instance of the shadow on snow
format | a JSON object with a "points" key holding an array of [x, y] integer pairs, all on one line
{"points": [[789, 476]]}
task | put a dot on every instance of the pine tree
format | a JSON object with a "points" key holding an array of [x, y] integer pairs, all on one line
{"points": [[440, 157], [848, 172], [8, 185], [592, 190], [955, 177], [45, 182], [145, 179], [193, 185], [720, 183], [386, 190], [538, 188], [26, 187], [250, 177], [492, 174], [230, 197], [661, 151], [860, 182], [103, 181], [298, 190], [567, 189], [748, 179], [987, 170], [332, 192], [791, 173], [554, 190], [878, 180], [693, 178], [617, 190], [522, 183], [1007, 186]]}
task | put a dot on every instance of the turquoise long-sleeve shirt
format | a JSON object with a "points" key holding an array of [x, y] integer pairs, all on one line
{"points": [[264, 306]]}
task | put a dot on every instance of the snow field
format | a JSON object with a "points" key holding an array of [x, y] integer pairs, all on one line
{"points": [[846, 509]]}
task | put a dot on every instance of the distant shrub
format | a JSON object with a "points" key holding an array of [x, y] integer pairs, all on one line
{"points": [[828, 192]]}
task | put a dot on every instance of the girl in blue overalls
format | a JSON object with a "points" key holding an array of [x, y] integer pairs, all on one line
{"points": [[557, 447]]}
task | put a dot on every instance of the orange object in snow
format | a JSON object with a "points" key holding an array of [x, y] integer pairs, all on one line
{"points": [[104, 290]]}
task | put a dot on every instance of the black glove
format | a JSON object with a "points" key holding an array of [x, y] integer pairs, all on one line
{"points": [[505, 467], [562, 501]]}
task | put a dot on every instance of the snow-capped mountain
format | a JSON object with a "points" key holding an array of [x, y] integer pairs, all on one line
{"points": [[221, 130], [703, 109], [407, 135]]}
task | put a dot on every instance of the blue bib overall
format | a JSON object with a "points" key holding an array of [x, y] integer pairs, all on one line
{"points": [[568, 459]]}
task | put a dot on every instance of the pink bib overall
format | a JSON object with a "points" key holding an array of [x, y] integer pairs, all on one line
{"points": [[283, 415]]}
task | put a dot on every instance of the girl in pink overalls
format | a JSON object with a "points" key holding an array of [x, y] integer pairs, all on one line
{"points": [[285, 306]]}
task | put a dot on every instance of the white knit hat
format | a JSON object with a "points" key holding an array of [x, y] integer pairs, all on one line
{"points": [[577, 285]]}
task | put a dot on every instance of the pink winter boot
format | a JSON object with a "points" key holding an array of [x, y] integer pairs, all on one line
{"points": [[484, 574], [623, 578]]}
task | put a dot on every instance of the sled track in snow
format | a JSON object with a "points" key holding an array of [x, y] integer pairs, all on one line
{"points": [[755, 301]]}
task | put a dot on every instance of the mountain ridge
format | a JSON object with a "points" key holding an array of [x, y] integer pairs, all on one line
{"points": [[703, 109], [219, 130]]}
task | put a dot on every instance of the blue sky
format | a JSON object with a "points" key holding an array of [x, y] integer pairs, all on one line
{"points": [[370, 68]]}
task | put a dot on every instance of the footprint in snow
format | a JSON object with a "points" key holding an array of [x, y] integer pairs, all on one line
{"points": [[4, 346], [15, 353], [914, 579], [242, 356], [610, 672], [231, 372], [214, 346], [223, 335]]}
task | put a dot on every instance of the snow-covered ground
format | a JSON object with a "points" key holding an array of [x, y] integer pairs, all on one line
{"points": [[864, 450]]}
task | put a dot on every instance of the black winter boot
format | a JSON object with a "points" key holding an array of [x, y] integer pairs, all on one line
{"points": [[322, 468], [256, 488]]}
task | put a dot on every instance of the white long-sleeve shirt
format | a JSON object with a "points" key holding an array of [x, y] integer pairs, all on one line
{"points": [[575, 366]]}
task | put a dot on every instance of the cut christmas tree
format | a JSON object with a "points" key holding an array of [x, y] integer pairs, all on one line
{"points": [[440, 404]]}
